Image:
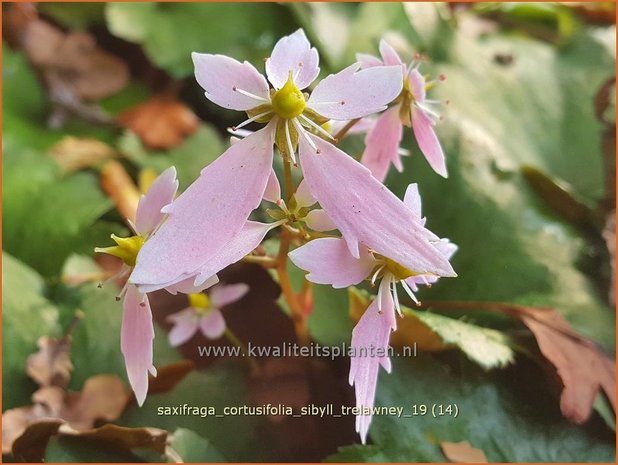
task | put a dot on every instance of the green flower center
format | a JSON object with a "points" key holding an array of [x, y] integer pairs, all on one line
{"points": [[126, 249], [399, 271], [288, 102]]}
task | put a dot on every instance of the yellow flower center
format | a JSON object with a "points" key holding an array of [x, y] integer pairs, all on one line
{"points": [[199, 301], [126, 249], [288, 102], [399, 271]]}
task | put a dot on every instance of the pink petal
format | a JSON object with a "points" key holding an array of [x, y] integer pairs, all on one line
{"points": [[328, 261], [447, 249], [220, 75], [293, 53], [361, 127], [365, 211], [382, 144], [389, 56], [304, 197], [187, 285], [213, 324], [160, 194], [352, 94], [417, 85], [412, 200], [318, 220], [208, 215], [428, 141], [136, 338], [273, 189], [225, 294], [368, 61], [186, 322], [245, 241], [371, 333]]}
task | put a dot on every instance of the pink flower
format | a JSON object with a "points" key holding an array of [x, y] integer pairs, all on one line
{"points": [[137, 331], [204, 313], [213, 211], [412, 109], [328, 261]]}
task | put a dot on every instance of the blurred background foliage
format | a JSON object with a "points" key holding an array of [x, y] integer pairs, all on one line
{"points": [[95, 93]]}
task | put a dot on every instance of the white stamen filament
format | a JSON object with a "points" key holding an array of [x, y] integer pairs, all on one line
{"points": [[409, 292], [395, 297], [249, 94], [432, 114], [301, 131], [251, 120], [288, 140], [318, 128], [375, 275]]}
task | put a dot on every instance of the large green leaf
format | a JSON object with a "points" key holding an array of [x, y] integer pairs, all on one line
{"points": [[170, 32], [509, 425], [192, 447], [47, 217], [26, 316]]}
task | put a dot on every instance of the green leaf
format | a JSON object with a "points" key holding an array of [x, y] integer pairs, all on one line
{"points": [[487, 347], [170, 32], [503, 413], [75, 15], [189, 158], [192, 447], [26, 316], [49, 217], [222, 385]]}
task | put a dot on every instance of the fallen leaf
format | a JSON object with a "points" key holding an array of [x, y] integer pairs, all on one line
{"points": [[74, 154], [119, 186], [162, 122], [31, 445], [16, 421], [462, 452], [73, 63], [51, 365], [582, 369], [15, 19]]}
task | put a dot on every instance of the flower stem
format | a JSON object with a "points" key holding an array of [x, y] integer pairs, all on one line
{"points": [[344, 130], [238, 343]]}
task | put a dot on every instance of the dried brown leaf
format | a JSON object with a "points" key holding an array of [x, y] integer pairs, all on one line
{"points": [[119, 186], [162, 122], [74, 154], [16, 421], [580, 366], [51, 365], [462, 452]]}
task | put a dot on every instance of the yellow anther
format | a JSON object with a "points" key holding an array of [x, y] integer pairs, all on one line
{"points": [[288, 102], [126, 250], [199, 301], [399, 271]]}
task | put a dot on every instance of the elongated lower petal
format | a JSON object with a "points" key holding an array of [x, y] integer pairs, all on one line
{"points": [[186, 323], [224, 80], [353, 94], [366, 212], [208, 215], [370, 345], [213, 324], [382, 144], [428, 141], [160, 194], [225, 294], [328, 261], [136, 338], [294, 54]]}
